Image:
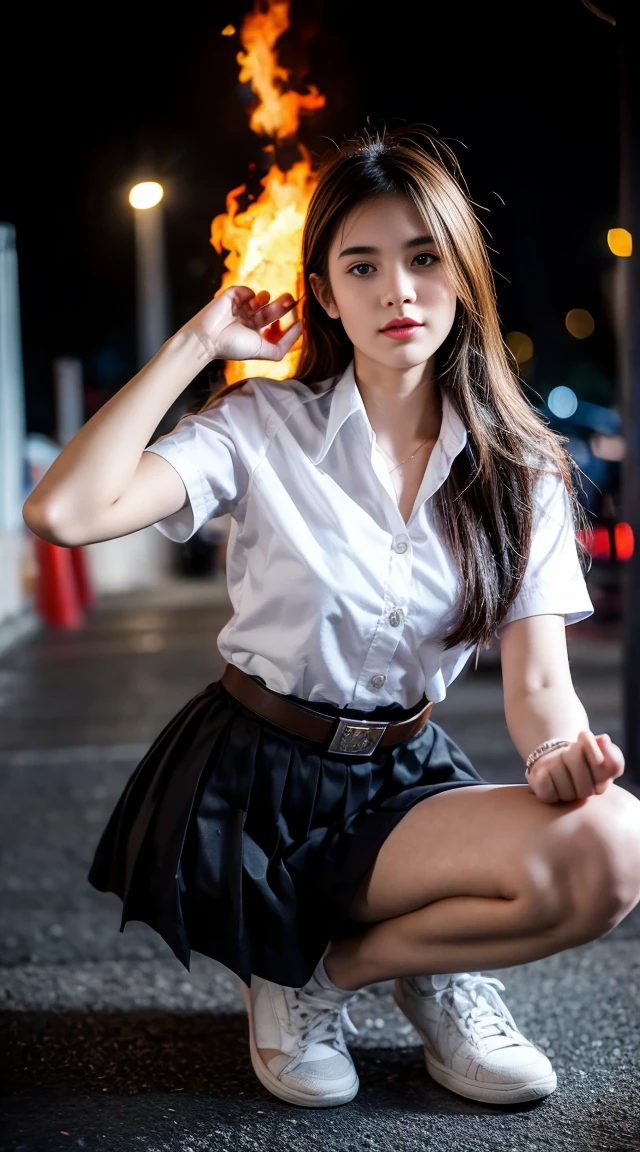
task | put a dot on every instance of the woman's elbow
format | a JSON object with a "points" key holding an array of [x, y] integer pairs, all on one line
{"points": [[44, 524]]}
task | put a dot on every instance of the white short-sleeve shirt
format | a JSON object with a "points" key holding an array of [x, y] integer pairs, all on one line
{"points": [[334, 597]]}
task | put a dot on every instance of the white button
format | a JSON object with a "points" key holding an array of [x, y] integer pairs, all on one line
{"points": [[395, 617], [377, 681], [401, 546]]}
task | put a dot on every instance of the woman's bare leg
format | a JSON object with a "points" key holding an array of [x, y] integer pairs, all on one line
{"points": [[489, 877]]}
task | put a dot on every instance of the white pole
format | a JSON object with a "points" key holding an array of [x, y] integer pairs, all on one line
{"points": [[151, 282], [12, 414], [67, 372]]}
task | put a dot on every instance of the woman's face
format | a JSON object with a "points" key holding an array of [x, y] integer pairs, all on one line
{"points": [[384, 266]]}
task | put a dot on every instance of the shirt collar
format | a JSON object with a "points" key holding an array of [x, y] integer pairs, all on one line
{"points": [[346, 400]]}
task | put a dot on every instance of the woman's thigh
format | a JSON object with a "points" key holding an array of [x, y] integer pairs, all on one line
{"points": [[486, 840]]}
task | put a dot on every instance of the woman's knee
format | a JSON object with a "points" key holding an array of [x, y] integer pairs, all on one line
{"points": [[597, 860]]}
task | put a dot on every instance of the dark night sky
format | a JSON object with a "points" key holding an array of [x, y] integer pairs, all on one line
{"points": [[95, 103]]}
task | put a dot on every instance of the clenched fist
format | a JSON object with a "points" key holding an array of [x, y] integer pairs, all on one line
{"points": [[585, 768]]}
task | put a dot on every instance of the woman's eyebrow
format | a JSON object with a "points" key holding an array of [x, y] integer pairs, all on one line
{"points": [[363, 250]]}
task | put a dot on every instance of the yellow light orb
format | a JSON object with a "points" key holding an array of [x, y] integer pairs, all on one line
{"points": [[228, 30], [580, 323], [146, 195], [620, 241], [521, 345]]}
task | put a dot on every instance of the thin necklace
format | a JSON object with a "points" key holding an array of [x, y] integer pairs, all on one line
{"points": [[406, 458]]}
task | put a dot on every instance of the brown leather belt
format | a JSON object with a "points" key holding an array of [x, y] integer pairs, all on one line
{"points": [[344, 736]]}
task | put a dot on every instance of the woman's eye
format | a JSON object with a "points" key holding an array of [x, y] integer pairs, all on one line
{"points": [[423, 260]]}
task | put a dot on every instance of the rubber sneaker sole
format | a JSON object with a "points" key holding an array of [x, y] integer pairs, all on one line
{"points": [[477, 1089], [284, 1091]]}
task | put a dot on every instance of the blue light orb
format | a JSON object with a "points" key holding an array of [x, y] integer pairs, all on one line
{"points": [[563, 402]]}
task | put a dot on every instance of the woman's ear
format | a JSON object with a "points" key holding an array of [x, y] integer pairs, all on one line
{"points": [[322, 293]]}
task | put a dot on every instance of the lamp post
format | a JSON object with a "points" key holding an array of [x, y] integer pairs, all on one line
{"points": [[152, 320], [12, 414]]}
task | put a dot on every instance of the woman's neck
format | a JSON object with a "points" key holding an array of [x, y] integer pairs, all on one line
{"points": [[403, 406]]}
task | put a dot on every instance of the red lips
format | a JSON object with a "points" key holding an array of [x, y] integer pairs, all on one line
{"points": [[401, 322]]}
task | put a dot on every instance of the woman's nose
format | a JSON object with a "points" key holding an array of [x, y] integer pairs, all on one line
{"points": [[399, 289]]}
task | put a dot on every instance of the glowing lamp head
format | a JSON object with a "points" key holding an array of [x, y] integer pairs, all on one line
{"points": [[146, 195], [620, 241]]}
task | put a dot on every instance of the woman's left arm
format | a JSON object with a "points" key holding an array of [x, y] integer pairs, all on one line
{"points": [[540, 703]]}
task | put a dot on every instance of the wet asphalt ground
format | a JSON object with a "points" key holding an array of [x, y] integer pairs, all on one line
{"points": [[109, 1043]]}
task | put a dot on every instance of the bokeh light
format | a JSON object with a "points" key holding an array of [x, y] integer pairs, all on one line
{"points": [[624, 541], [228, 30], [580, 323], [521, 345], [146, 195], [620, 241], [607, 447], [562, 401]]}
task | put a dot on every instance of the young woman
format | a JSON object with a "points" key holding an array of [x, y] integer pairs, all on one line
{"points": [[303, 819]]}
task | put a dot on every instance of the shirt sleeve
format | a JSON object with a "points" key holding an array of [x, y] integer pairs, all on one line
{"points": [[553, 581], [201, 450]]}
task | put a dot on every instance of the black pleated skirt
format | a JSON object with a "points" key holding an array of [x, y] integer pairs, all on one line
{"points": [[238, 840]]}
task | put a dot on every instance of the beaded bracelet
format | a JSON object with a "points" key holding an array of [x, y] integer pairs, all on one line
{"points": [[542, 748]]}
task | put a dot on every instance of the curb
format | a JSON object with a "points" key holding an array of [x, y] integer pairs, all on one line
{"points": [[18, 629]]}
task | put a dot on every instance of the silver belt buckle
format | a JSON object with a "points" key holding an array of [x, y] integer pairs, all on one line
{"points": [[357, 737]]}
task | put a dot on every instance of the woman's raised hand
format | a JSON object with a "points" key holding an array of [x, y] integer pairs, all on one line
{"points": [[241, 324]]}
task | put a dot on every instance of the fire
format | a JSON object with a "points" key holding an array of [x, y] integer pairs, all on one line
{"points": [[263, 239], [278, 113]]}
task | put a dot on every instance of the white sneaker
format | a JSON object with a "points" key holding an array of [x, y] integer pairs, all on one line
{"points": [[297, 1045], [471, 1042]]}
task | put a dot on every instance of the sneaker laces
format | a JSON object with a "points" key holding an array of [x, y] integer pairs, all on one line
{"points": [[319, 1020], [476, 1009]]}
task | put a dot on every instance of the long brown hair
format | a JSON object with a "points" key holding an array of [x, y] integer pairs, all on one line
{"points": [[485, 507]]}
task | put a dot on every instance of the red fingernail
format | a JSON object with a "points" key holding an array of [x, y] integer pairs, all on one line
{"points": [[273, 333]]}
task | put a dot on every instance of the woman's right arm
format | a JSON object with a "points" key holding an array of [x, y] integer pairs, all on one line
{"points": [[103, 484]]}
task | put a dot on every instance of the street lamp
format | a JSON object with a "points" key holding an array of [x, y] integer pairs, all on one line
{"points": [[620, 241], [152, 320], [146, 195]]}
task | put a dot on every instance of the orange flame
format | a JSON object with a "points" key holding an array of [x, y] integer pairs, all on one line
{"points": [[263, 240], [278, 113]]}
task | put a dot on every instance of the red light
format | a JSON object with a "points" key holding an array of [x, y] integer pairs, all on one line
{"points": [[623, 537], [601, 544]]}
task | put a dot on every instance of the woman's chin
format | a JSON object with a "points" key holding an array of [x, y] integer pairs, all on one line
{"points": [[396, 356]]}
